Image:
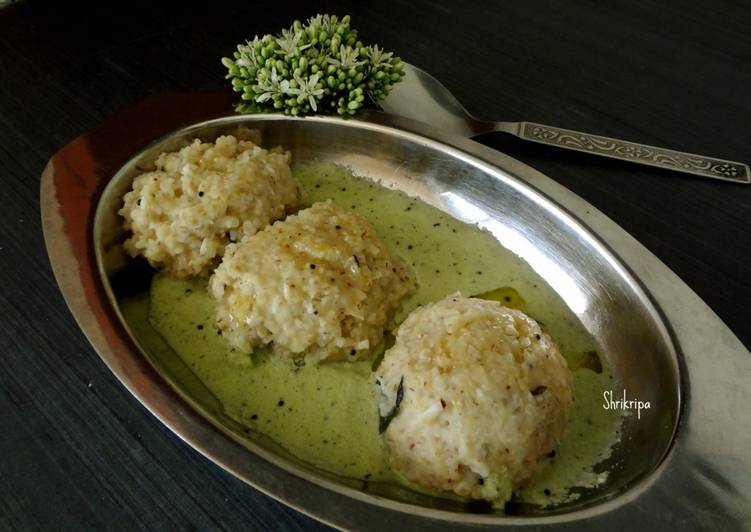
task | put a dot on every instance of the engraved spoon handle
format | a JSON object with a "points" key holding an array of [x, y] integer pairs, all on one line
{"points": [[690, 163]]}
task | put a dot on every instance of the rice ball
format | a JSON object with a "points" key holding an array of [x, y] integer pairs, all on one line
{"points": [[198, 199], [485, 397], [320, 283]]}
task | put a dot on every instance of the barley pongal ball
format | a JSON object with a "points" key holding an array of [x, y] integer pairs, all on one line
{"points": [[485, 397], [202, 197], [320, 284]]}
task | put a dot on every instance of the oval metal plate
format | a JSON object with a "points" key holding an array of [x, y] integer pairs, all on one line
{"points": [[685, 461]]}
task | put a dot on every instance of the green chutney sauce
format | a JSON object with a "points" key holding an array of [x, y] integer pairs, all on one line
{"points": [[326, 414]]}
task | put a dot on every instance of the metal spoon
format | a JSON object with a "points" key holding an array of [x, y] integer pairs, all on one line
{"points": [[422, 97]]}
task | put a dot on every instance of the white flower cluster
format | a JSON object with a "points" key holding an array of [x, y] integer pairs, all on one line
{"points": [[320, 67]]}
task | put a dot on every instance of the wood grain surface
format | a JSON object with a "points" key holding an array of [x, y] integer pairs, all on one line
{"points": [[77, 452]]}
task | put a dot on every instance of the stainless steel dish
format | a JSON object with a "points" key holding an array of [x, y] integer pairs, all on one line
{"points": [[685, 460]]}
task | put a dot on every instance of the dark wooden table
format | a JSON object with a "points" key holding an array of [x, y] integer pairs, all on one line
{"points": [[78, 452]]}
